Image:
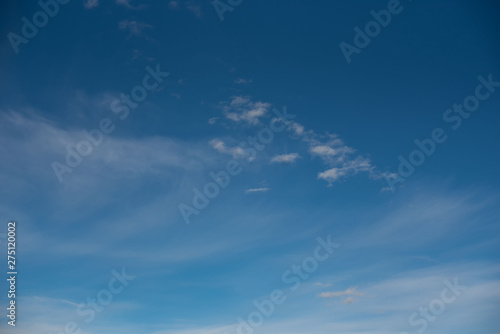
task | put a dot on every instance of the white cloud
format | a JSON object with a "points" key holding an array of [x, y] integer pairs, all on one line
{"points": [[350, 167], [257, 190], [332, 175], [348, 292], [323, 150], [341, 160], [297, 128], [241, 108], [221, 147], [286, 158], [218, 145], [333, 149]]}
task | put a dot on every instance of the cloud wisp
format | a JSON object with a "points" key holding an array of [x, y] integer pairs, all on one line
{"points": [[286, 158]]}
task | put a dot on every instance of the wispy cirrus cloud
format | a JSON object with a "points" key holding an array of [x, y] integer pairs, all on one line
{"points": [[348, 292], [257, 190], [392, 301], [44, 142]]}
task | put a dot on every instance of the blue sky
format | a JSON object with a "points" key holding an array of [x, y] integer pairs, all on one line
{"points": [[326, 174]]}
